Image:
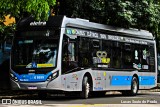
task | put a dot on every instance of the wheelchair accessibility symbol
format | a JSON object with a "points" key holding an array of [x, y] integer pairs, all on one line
{"points": [[34, 65]]}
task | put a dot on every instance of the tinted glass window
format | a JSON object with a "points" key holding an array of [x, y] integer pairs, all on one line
{"points": [[34, 53]]}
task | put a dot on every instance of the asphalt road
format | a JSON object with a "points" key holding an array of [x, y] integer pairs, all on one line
{"points": [[151, 99]]}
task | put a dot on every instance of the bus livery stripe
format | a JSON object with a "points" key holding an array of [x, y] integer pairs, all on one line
{"points": [[126, 80], [146, 80], [33, 77], [121, 80]]}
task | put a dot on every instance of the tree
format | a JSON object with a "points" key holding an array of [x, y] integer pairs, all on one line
{"points": [[18, 9], [119, 13], [5, 32], [147, 14], [22, 8], [87, 9], [140, 14]]}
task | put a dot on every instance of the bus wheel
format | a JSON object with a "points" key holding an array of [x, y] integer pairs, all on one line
{"points": [[134, 86], [85, 88]]}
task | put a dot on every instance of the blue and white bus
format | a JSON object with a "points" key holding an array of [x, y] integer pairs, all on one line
{"points": [[75, 55]]}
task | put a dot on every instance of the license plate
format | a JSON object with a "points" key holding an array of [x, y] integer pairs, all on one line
{"points": [[32, 87]]}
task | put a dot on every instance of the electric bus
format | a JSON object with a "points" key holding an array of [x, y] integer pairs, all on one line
{"points": [[78, 56]]}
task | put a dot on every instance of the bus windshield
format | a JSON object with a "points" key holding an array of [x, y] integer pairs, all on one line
{"points": [[34, 52]]}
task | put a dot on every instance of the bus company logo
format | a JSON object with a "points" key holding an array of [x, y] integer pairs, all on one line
{"points": [[37, 23], [6, 101]]}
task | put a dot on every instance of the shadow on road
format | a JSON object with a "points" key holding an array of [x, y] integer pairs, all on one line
{"points": [[4, 75], [64, 98]]}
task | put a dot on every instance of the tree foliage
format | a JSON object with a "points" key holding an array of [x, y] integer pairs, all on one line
{"points": [[147, 14], [119, 13], [141, 14], [87, 9], [21, 8], [5, 33]]}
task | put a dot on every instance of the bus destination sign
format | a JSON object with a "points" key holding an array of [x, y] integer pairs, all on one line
{"points": [[92, 34]]}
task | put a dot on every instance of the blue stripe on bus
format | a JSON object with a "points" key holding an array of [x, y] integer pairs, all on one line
{"points": [[146, 80], [32, 77], [121, 80], [126, 80]]}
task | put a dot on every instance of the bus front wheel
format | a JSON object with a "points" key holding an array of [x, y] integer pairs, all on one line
{"points": [[134, 86], [85, 88]]}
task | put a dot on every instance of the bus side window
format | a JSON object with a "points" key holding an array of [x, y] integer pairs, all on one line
{"points": [[69, 55], [84, 54], [117, 55], [95, 52], [145, 57], [152, 58], [137, 57], [127, 52]]}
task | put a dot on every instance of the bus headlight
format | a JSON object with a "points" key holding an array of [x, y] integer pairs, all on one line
{"points": [[53, 76], [13, 77]]}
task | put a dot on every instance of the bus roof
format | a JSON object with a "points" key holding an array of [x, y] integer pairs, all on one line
{"points": [[63, 21], [81, 23]]}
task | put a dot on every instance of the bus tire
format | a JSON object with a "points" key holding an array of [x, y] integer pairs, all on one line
{"points": [[85, 88], [134, 86]]}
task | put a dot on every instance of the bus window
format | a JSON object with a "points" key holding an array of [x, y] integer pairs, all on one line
{"points": [[69, 60], [84, 53], [101, 53], [35, 53], [96, 44], [127, 52], [145, 57], [137, 57], [117, 54], [96, 52], [151, 58]]}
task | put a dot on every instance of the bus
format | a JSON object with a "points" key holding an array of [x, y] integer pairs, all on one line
{"points": [[75, 55]]}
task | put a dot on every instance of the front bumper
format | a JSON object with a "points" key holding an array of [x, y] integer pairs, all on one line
{"points": [[47, 85]]}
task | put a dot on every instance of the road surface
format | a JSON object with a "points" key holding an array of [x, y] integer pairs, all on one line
{"points": [[151, 99]]}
